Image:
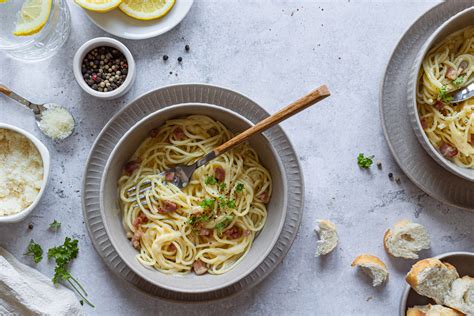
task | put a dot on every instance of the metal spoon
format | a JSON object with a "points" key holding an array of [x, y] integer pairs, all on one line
{"points": [[181, 174], [38, 109], [462, 94]]}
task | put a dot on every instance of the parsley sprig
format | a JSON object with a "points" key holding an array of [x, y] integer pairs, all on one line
{"points": [[239, 187], [55, 225], [210, 180], [443, 95], [35, 251], [63, 255], [207, 203], [196, 219], [458, 81], [365, 162], [224, 223]]}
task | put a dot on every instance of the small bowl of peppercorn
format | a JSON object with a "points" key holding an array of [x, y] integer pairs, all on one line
{"points": [[104, 68]]}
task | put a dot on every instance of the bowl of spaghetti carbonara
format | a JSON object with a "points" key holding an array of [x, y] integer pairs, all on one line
{"points": [[445, 64], [209, 234]]}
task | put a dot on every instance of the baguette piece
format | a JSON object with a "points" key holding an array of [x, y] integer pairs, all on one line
{"points": [[406, 239], [432, 278], [328, 237], [461, 295], [432, 310], [373, 267]]}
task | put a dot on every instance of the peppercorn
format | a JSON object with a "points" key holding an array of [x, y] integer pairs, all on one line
{"points": [[30, 226], [186, 48], [165, 57], [180, 59], [379, 164], [390, 176]]}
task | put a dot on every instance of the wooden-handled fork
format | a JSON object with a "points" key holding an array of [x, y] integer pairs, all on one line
{"points": [[182, 174]]}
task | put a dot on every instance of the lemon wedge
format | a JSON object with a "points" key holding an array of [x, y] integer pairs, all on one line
{"points": [[3, 1], [33, 16], [99, 5], [146, 9]]}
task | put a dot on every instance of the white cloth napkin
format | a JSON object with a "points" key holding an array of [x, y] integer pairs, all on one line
{"points": [[25, 291]]}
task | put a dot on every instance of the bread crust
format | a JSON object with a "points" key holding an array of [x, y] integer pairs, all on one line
{"points": [[389, 233], [434, 309], [366, 258], [419, 266]]}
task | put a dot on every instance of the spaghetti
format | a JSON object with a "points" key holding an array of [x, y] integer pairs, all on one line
{"points": [[209, 225], [447, 67]]}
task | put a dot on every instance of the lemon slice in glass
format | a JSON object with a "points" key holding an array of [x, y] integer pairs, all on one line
{"points": [[146, 9], [99, 5], [33, 16]]}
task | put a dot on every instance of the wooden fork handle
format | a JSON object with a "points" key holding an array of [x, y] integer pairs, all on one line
{"points": [[311, 98]]}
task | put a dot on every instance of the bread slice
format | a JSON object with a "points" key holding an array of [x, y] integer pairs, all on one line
{"points": [[406, 239], [461, 295], [432, 310], [373, 267], [432, 278], [328, 237]]}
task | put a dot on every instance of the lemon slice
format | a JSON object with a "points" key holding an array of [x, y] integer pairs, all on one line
{"points": [[99, 5], [33, 16], [146, 9], [3, 1]]}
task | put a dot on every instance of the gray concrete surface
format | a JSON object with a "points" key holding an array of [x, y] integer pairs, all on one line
{"points": [[274, 52]]}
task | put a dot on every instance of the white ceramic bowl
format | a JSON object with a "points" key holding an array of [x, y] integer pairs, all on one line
{"points": [[111, 215], [46, 163], [457, 22], [462, 261], [98, 42]]}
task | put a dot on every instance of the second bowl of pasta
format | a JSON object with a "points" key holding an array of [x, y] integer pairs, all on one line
{"points": [[209, 234], [444, 65]]}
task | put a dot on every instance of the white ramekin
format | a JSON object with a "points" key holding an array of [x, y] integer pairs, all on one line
{"points": [[98, 42], [46, 164]]}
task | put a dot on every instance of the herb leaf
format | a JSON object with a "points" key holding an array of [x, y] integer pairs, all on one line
{"points": [[458, 81], [443, 95], [224, 223], [210, 180], [364, 162], [239, 187], [35, 251], [223, 186], [195, 219], [63, 255], [55, 225], [207, 203]]}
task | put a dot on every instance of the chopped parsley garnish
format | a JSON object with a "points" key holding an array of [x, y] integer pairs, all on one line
{"points": [[223, 202], [239, 187], [210, 180], [224, 223], [63, 255], [443, 95], [231, 203], [223, 186], [195, 219], [364, 162], [35, 251], [458, 81], [55, 225], [207, 203]]}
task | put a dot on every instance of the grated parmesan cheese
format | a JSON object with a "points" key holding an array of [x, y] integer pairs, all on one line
{"points": [[21, 172], [56, 122]]}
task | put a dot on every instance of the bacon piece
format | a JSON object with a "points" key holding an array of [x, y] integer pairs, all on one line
{"points": [[462, 67], [233, 232], [169, 206], [247, 232], [439, 105], [212, 131], [448, 150], [171, 247], [131, 166], [153, 132], [204, 232], [136, 239], [199, 267], [264, 197], [219, 174], [141, 218], [471, 141], [169, 176], [424, 123], [451, 73], [179, 133]]}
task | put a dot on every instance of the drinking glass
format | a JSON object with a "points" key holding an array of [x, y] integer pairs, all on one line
{"points": [[41, 45]]}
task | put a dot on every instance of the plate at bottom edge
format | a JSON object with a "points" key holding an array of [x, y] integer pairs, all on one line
{"points": [[151, 102], [415, 162]]}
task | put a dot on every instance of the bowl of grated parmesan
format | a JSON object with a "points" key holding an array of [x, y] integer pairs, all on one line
{"points": [[24, 172]]}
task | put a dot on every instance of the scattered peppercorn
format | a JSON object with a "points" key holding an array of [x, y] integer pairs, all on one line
{"points": [[30, 226], [379, 164], [180, 59], [186, 48], [390, 176], [104, 68], [165, 57], [397, 179]]}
